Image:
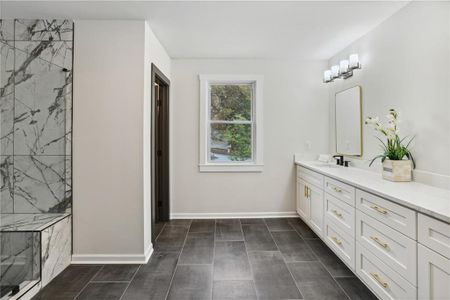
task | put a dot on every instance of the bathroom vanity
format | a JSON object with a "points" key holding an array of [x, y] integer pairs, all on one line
{"points": [[394, 236]]}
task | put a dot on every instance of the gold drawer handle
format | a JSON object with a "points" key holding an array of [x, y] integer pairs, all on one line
{"points": [[335, 239], [378, 279], [379, 209], [307, 191], [336, 189], [337, 213], [377, 240]]}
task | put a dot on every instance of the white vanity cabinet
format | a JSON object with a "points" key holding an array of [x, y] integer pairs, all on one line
{"points": [[433, 258], [395, 249], [310, 198], [302, 200]]}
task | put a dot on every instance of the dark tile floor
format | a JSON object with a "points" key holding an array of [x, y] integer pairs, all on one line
{"points": [[220, 259]]}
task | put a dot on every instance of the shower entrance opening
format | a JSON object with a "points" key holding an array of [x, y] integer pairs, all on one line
{"points": [[160, 151]]}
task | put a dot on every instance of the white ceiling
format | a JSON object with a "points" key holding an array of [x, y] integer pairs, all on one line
{"points": [[231, 29]]}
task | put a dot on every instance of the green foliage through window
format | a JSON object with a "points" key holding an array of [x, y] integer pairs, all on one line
{"points": [[231, 117]]}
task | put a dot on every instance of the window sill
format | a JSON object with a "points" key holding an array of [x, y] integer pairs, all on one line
{"points": [[231, 168]]}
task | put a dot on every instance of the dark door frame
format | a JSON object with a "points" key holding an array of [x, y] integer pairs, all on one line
{"points": [[160, 176]]}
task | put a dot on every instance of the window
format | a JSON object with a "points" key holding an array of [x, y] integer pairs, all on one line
{"points": [[231, 123]]}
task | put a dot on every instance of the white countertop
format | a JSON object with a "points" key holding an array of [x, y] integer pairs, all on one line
{"points": [[426, 199]]}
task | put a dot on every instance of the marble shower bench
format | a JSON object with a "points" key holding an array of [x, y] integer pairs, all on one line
{"points": [[38, 246]]}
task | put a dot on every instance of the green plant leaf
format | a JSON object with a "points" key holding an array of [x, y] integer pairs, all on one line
{"points": [[383, 157]]}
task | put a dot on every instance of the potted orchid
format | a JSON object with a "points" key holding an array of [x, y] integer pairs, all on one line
{"points": [[397, 159]]}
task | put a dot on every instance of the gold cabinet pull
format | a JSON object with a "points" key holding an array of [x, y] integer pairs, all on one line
{"points": [[335, 239], [379, 209], [379, 280], [336, 189], [338, 214], [304, 190], [377, 240]]}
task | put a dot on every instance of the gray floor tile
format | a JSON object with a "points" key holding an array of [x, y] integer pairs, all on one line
{"points": [[192, 282], [158, 228], [272, 277], [355, 289], [258, 237], [302, 229], [103, 291], [333, 264], [171, 238], [202, 226], [152, 280], [229, 230], [116, 273], [231, 261], [278, 224], [198, 249], [292, 246], [252, 221], [234, 290], [315, 282], [69, 283], [179, 222]]}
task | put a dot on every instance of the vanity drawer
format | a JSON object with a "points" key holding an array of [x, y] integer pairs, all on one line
{"points": [[310, 176], [385, 282], [434, 234], [395, 249], [341, 213], [341, 243], [340, 190], [395, 216]]}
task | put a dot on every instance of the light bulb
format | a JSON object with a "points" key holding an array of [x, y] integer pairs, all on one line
{"points": [[327, 76], [344, 66], [354, 61], [335, 71]]}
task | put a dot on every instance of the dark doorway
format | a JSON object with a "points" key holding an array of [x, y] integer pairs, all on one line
{"points": [[160, 150]]}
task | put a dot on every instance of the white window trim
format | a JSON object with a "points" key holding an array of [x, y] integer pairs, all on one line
{"points": [[257, 164]]}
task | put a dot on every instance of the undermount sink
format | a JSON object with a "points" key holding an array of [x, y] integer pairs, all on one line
{"points": [[324, 165]]}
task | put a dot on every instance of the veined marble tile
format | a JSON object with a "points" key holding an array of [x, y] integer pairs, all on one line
{"points": [[7, 124], [56, 245], [68, 192], [58, 53], [41, 30], [39, 184], [40, 95], [6, 184], [6, 69], [6, 99], [6, 30], [28, 222], [17, 257], [68, 96]]}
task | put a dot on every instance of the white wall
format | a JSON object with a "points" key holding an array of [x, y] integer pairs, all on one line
{"points": [[156, 54], [295, 111], [111, 127], [405, 65]]}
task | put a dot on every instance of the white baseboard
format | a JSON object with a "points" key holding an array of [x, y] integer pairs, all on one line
{"points": [[148, 253], [113, 258], [287, 214]]}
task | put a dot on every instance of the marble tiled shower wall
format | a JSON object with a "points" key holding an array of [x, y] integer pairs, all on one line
{"points": [[35, 116]]}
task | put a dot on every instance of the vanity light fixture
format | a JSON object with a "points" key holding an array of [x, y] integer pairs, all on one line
{"points": [[354, 61], [327, 76], [343, 70], [335, 72]]}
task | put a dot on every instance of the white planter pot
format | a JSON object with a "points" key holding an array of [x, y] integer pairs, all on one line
{"points": [[397, 170]]}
